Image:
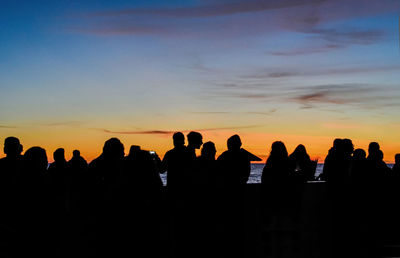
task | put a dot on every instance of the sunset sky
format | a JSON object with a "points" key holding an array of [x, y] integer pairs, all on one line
{"points": [[75, 73]]}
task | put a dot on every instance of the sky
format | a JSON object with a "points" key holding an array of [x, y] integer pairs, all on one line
{"points": [[76, 73]]}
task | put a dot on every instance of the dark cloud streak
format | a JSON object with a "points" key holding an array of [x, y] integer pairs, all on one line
{"points": [[168, 132], [216, 9]]}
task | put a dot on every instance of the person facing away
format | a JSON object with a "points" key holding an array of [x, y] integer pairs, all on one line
{"points": [[10, 172], [358, 168], [377, 167], [176, 163], [337, 163], [59, 179], [234, 163], [141, 173], [104, 171], [34, 205], [10, 165], [58, 169], [106, 168], [396, 166], [276, 180], [77, 171], [206, 166], [304, 168], [137, 205], [77, 162]]}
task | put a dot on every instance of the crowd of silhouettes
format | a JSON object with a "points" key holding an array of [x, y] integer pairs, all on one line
{"points": [[115, 205]]}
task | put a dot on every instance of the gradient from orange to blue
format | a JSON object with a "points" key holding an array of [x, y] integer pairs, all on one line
{"points": [[75, 73]]}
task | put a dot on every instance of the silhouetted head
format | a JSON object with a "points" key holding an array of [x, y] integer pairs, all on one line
{"points": [[337, 143], [359, 154], [12, 147], [59, 155], [300, 152], [234, 142], [348, 146], [179, 139], [36, 158], [380, 155], [397, 158], [76, 154], [373, 147], [134, 149], [195, 140], [208, 151], [113, 149], [278, 150]]}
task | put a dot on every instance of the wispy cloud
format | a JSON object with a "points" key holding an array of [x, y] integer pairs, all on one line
{"points": [[269, 112], [7, 127], [156, 132], [349, 35], [170, 132], [361, 95], [307, 50], [271, 73], [222, 18], [341, 126], [64, 123], [212, 10]]}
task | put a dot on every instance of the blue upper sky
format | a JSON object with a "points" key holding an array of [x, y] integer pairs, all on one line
{"points": [[228, 63]]}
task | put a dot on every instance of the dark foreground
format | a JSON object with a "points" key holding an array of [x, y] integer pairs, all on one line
{"points": [[318, 227]]}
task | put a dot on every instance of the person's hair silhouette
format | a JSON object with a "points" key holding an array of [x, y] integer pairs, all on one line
{"points": [[178, 139], [234, 142], [195, 140], [76, 153], [35, 158], [208, 151], [12, 147], [113, 149], [359, 154], [59, 155], [302, 164]]}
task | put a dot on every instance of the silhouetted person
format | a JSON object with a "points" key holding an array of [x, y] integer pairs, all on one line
{"points": [[78, 179], [234, 165], [358, 168], [177, 163], [304, 167], [280, 199], [77, 193], [396, 166], [59, 195], [10, 171], [195, 140], [137, 203], [35, 207], [58, 176], [336, 172], [207, 200], [104, 172], [206, 166], [359, 213], [77, 162]]}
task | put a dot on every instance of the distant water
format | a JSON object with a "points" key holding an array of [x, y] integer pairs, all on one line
{"points": [[256, 171]]}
